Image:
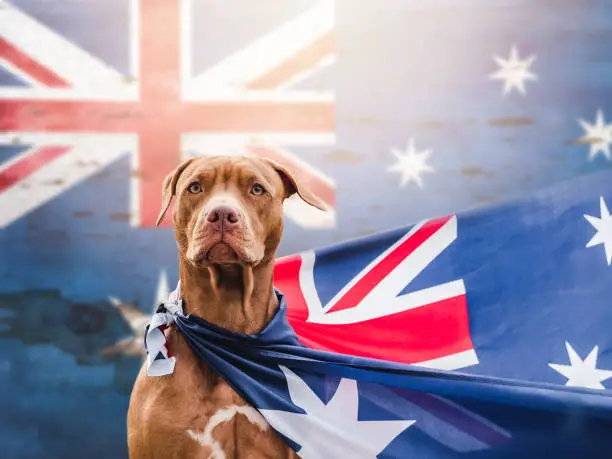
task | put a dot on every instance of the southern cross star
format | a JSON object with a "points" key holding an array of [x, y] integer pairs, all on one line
{"points": [[598, 135], [410, 164], [514, 71], [603, 226], [332, 429], [582, 373]]}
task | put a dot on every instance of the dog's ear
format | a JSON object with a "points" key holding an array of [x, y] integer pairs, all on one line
{"points": [[292, 186], [169, 187]]}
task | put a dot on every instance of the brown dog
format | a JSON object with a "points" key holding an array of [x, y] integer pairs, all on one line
{"points": [[228, 224]]}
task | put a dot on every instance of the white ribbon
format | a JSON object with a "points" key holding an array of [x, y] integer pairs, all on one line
{"points": [[155, 339]]}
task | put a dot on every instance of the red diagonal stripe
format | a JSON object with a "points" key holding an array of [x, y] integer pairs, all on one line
{"points": [[304, 60], [28, 164], [315, 183], [372, 278], [29, 66]]}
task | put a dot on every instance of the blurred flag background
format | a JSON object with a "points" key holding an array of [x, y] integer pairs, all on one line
{"points": [[392, 111]]}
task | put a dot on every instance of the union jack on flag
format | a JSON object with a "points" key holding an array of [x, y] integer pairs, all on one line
{"points": [[80, 114]]}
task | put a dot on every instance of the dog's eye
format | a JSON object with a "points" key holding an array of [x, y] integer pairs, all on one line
{"points": [[257, 189], [194, 188]]}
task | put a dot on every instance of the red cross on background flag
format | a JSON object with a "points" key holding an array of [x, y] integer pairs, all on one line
{"points": [[80, 115]]}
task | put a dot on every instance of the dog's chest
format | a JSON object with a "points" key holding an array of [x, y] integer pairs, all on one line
{"points": [[195, 413]]}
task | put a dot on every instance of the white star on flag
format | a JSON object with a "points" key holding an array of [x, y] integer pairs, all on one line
{"points": [[514, 71], [410, 164], [598, 135], [332, 430], [582, 373], [603, 226], [137, 321]]}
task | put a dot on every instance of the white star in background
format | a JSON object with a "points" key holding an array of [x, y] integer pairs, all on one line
{"points": [[332, 430], [582, 373], [603, 226], [514, 71], [411, 164], [599, 135], [137, 321]]}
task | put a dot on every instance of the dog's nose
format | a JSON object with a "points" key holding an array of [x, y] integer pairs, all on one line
{"points": [[224, 214]]}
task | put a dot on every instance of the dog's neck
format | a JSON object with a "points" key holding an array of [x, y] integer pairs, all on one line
{"points": [[235, 297]]}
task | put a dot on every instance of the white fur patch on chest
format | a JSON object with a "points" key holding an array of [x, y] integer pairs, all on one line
{"points": [[205, 438]]}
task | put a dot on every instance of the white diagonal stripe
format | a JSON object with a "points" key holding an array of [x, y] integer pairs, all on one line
{"points": [[306, 216], [86, 157], [10, 68], [265, 53], [74, 65], [325, 62]]}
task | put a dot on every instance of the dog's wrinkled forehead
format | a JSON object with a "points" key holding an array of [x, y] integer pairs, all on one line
{"points": [[223, 173]]}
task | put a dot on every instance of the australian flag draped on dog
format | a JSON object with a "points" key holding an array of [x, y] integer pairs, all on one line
{"points": [[484, 333]]}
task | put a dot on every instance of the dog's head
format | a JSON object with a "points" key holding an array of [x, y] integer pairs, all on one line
{"points": [[229, 209]]}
